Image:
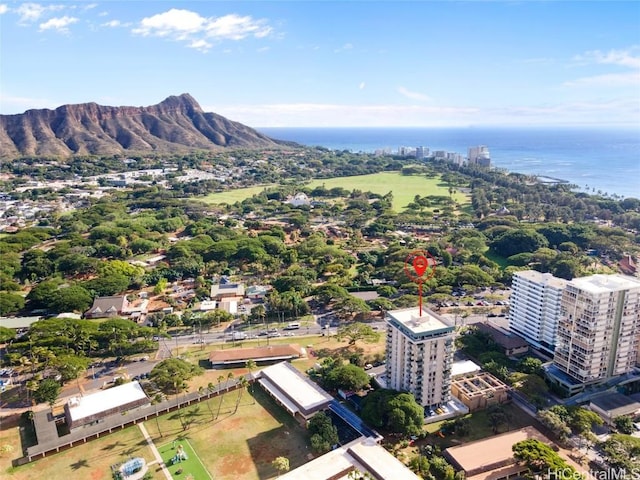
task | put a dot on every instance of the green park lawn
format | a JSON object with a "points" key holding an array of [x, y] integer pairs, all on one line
{"points": [[404, 188], [232, 196], [238, 445], [192, 466], [91, 461]]}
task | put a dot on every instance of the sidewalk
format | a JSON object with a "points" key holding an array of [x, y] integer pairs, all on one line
{"points": [[156, 454]]}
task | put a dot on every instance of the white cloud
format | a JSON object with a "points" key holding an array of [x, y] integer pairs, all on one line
{"points": [[3, 8], [413, 95], [90, 6], [616, 111], [326, 115], [625, 58], [171, 23], [60, 24], [607, 80], [201, 45], [31, 12], [361, 86], [235, 27], [623, 111], [115, 24], [185, 25], [263, 49]]}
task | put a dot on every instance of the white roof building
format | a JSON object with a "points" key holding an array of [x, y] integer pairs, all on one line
{"points": [[298, 200], [363, 454], [297, 394], [463, 367], [96, 406]]}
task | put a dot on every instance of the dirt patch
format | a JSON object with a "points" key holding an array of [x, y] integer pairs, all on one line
{"points": [[235, 465], [97, 474]]}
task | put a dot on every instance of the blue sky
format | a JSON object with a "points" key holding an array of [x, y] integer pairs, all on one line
{"points": [[343, 63]]}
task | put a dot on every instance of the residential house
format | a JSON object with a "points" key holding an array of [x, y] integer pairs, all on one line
{"points": [[106, 307]]}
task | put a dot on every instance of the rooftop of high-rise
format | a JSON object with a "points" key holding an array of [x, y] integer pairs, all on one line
{"points": [[542, 278], [600, 283], [429, 322]]}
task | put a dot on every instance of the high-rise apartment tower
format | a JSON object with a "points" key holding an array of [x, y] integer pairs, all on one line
{"points": [[419, 355], [598, 330], [535, 307]]}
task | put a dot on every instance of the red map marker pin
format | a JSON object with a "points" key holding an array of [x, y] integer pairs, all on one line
{"points": [[420, 264]]}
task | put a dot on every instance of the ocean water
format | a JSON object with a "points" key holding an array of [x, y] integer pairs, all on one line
{"points": [[604, 159]]}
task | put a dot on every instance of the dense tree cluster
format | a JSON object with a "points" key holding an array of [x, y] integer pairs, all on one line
{"points": [[393, 411], [541, 458], [323, 433]]}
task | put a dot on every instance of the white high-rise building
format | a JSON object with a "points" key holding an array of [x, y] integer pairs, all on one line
{"points": [[422, 152], [535, 307], [598, 330], [419, 355], [479, 156]]}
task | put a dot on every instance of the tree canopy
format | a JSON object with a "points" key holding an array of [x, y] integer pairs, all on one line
{"points": [[347, 377], [358, 331], [171, 375], [395, 411], [323, 432]]}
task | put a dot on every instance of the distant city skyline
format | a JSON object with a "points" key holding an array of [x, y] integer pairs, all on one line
{"points": [[332, 64]]}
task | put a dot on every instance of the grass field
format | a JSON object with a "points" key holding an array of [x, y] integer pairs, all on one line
{"points": [[494, 257], [192, 466], [325, 346], [233, 196], [238, 445], [91, 461], [404, 188]]}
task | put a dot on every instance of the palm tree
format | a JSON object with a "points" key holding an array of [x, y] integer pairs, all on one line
{"points": [[156, 400], [210, 388], [220, 379], [243, 384], [229, 377], [251, 365]]}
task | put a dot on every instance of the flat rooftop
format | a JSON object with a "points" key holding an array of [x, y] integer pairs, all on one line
{"points": [[362, 454], [502, 337], [615, 401], [600, 283], [411, 319], [18, 322], [269, 352], [489, 454], [94, 403], [462, 367], [295, 386], [542, 278]]}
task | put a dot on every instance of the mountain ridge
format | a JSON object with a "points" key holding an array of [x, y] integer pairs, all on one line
{"points": [[176, 124]]}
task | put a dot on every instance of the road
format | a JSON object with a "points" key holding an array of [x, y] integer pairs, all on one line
{"points": [[102, 372]]}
